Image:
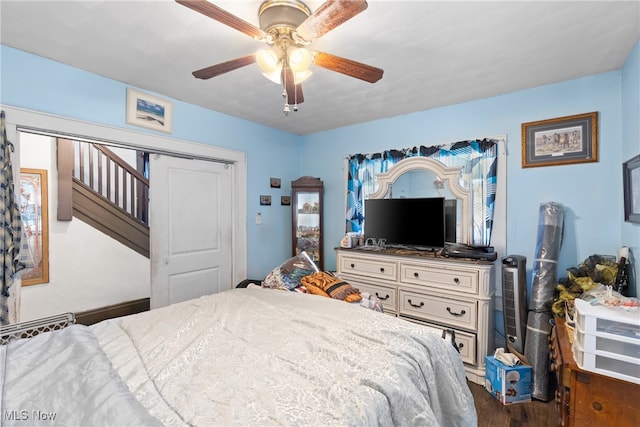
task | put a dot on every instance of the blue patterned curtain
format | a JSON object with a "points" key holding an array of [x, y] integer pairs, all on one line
{"points": [[10, 224], [478, 159]]}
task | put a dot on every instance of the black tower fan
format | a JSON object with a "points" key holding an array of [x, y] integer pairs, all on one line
{"points": [[514, 301]]}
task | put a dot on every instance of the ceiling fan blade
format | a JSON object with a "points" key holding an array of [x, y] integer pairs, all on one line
{"points": [[224, 67], [328, 16], [224, 17], [299, 96], [294, 91], [348, 67]]}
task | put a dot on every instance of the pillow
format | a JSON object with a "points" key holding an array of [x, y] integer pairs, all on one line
{"points": [[313, 289], [331, 286], [288, 274]]}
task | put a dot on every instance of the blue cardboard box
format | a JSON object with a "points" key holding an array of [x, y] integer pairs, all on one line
{"points": [[508, 384]]}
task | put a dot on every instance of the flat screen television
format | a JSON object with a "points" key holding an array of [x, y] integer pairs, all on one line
{"points": [[418, 223]]}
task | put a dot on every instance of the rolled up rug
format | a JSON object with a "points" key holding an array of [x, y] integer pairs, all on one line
{"points": [[545, 268]]}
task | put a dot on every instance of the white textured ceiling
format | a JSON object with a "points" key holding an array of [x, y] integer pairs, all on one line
{"points": [[433, 53]]}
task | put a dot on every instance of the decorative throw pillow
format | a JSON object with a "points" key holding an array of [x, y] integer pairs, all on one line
{"points": [[313, 289], [331, 286], [288, 274]]}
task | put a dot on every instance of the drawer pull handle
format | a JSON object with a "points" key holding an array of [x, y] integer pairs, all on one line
{"points": [[382, 298], [416, 275], [456, 280], [460, 345], [462, 312], [415, 305], [353, 265], [381, 269]]}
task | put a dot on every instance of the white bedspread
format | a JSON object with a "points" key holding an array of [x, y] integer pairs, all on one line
{"points": [[63, 378], [266, 357]]}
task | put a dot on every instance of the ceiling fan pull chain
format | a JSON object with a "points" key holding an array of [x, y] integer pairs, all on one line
{"points": [[285, 94], [286, 101]]}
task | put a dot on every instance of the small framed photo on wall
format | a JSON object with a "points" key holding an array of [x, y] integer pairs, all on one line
{"points": [[149, 111], [285, 200], [265, 200], [274, 182]]}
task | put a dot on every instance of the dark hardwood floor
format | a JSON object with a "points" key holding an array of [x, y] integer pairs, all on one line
{"points": [[495, 414]]}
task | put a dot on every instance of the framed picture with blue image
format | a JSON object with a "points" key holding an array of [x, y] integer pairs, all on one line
{"points": [[148, 111]]}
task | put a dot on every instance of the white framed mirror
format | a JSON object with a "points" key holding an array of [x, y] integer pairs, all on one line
{"points": [[425, 177]]}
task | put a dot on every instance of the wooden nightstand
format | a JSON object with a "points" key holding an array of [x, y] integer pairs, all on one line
{"points": [[585, 398]]}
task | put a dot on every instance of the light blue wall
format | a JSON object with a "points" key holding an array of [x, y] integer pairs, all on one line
{"points": [[631, 140], [35, 83], [591, 193]]}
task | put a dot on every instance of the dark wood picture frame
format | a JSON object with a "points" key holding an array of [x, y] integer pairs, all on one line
{"points": [[560, 141], [631, 185]]}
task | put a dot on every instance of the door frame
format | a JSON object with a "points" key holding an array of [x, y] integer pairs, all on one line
{"points": [[19, 119]]}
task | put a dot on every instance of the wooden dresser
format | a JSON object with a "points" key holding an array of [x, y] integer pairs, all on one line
{"points": [[584, 398], [444, 293]]}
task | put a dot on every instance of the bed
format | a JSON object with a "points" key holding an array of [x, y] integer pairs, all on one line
{"points": [[249, 356]]}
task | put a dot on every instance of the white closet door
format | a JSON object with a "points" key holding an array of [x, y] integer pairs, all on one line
{"points": [[191, 228]]}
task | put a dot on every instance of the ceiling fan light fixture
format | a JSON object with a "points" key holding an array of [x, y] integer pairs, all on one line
{"points": [[300, 76], [276, 75], [299, 58], [268, 60], [288, 26]]}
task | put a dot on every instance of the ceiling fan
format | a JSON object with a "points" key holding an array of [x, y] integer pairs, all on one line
{"points": [[288, 27]]}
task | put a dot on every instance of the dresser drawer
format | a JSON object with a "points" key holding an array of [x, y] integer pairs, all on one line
{"points": [[436, 277], [466, 346], [380, 269], [386, 295], [459, 313], [466, 342]]}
